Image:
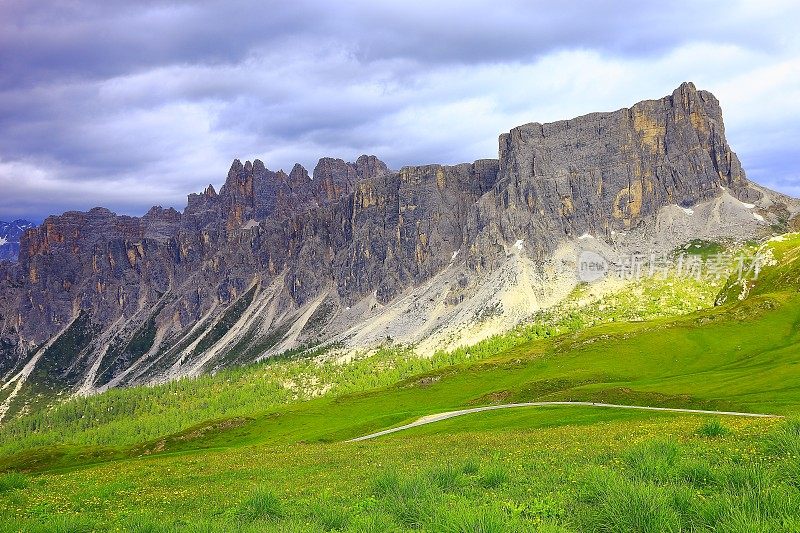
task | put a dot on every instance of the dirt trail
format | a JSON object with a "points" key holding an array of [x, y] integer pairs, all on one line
{"points": [[430, 419]]}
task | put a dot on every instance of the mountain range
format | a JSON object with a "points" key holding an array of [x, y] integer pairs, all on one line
{"points": [[355, 254], [10, 234]]}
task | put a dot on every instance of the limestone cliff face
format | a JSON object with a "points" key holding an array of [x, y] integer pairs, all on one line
{"points": [[609, 172], [101, 300]]}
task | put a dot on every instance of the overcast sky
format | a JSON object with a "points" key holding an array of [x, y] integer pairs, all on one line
{"points": [[127, 106]]}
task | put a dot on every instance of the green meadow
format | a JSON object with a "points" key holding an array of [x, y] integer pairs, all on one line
{"points": [[264, 448]]}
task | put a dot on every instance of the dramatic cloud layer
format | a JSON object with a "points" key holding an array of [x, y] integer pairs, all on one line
{"points": [[133, 104]]}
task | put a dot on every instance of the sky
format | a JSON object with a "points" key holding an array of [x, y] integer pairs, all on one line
{"points": [[128, 105]]}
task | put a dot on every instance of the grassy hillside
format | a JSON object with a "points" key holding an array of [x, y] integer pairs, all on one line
{"points": [[133, 415], [263, 448]]}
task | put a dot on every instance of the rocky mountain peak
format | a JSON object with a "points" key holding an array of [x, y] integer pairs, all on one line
{"points": [[299, 178], [159, 213], [334, 178], [369, 166], [608, 172], [236, 169]]}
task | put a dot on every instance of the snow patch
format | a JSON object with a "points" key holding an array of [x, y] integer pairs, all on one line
{"points": [[455, 254], [586, 236], [758, 217], [689, 211], [518, 244], [3, 240], [746, 205]]}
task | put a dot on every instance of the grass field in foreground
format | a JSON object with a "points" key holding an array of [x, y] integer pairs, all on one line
{"points": [[528, 470]]}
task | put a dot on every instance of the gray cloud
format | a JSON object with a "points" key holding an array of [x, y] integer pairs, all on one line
{"points": [[108, 103]]}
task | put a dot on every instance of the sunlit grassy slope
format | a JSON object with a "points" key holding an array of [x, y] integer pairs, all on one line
{"points": [[285, 465]]}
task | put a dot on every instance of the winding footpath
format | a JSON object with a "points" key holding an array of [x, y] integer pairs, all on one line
{"points": [[430, 419]]}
